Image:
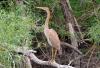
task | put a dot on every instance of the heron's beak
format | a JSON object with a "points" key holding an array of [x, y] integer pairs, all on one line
{"points": [[40, 7], [43, 8]]}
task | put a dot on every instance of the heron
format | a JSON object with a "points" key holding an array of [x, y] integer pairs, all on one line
{"points": [[51, 36]]}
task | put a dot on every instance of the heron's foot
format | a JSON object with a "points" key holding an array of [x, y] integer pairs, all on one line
{"points": [[52, 61]]}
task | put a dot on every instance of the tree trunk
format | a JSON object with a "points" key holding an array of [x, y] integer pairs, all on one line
{"points": [[70, 21]]}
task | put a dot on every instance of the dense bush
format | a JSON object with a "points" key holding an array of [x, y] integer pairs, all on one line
{"points": [[94, 32], [14, 32]]}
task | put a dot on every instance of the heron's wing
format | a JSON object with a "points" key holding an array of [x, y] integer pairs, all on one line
{"points": [[54, 39]]}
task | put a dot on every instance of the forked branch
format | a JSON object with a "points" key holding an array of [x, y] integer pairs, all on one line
{"points": [[31, 55]]}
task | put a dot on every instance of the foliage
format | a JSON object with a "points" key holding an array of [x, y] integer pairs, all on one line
{"points": [[92, 23], [6, 59], [94, 32], [13, 28], [14, 32]]}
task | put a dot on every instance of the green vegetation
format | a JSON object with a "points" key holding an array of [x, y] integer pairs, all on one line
{"points": [[17, 24], [14, 32], [94, 32]]}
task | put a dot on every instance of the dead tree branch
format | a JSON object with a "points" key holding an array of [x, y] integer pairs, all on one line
{"points": [[70, 46], [31, 55], [28, 63], [71, 22], [76, 23]]}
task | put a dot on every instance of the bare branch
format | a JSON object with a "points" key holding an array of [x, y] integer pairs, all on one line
{"points": [[31, 55], [70, 21], [70, 46], [91, 56], [28, 62], [41, 62], [76, 23]]}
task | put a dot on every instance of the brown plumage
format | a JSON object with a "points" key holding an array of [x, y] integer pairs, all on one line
{"points": [[51, 35]]}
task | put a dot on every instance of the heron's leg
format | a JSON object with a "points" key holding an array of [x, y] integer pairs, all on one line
{"points": [[55, 52], [52, 54]]}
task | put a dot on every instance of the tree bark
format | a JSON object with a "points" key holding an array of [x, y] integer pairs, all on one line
{"points": [[70, 21], [30, 55], [28, 62]]}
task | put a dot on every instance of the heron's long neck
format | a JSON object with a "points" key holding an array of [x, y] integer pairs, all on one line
{"points": [[47, 20]]}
